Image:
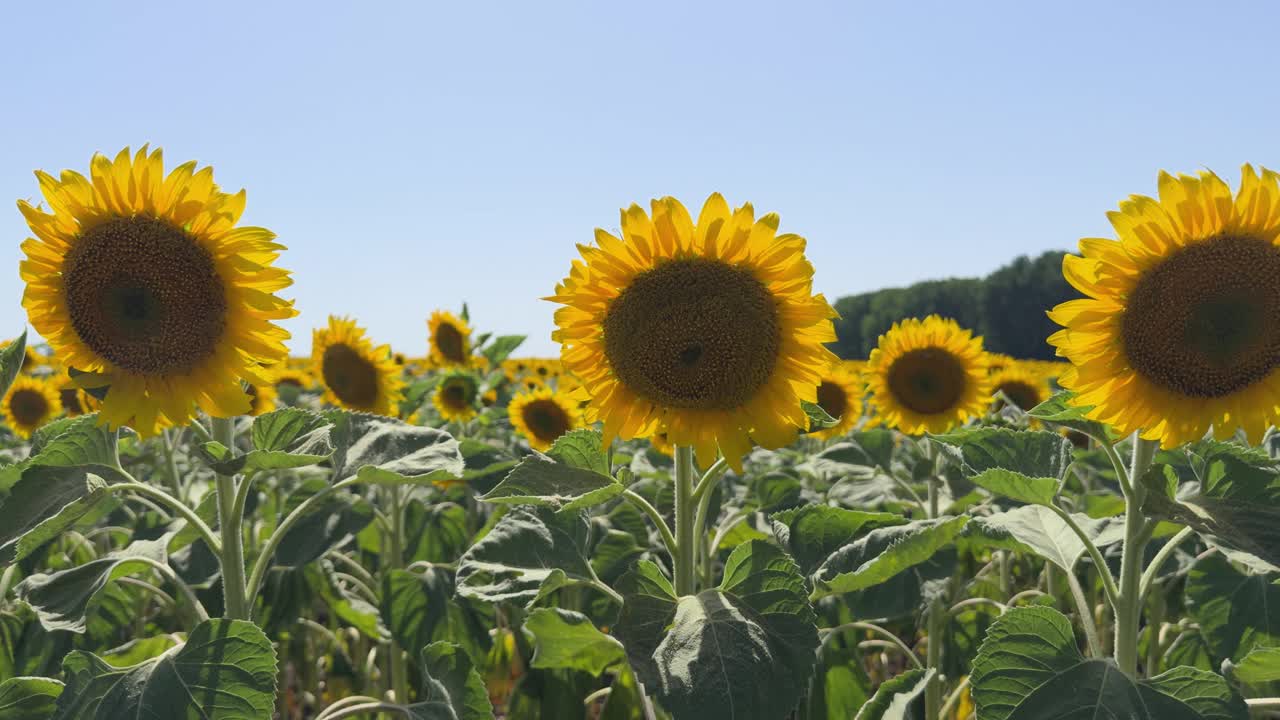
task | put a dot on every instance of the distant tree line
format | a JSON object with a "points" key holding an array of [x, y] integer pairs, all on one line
{"points": [[1007, 307]]}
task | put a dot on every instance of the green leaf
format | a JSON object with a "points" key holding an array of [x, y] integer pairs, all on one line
{"points": [[63, 600], [868, 448], [1034, 454], [1030, 668], [528, 553], [44, 504], [136, 652], [454, 689], [901, 698], [330, 524], [225, 671], [648, 606], [568, 639], [28, 698], [348, 607], [614, 554], [1016, 486], [540, 480], [819, 419], [1261, 665], [883, 553], [501, 348], [1237, 612], [813, 532], [744, 650], [285, 438], [11, 358], [485, 464], [383, 450], [419, 609], [583, 449], [1235, 505], [78, 443], [1039, 530], [1058, 410]]}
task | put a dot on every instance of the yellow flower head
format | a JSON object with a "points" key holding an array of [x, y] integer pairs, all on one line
{"points": [[708, 330], [928, 376], [455, 396], [30, 403], [450, 340], [1180, 331], [840, 395], [144, 281], [355, 374], [1022, 384], [543, 416]]}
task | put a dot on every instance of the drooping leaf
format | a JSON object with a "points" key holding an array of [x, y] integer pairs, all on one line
{"points": [[28, 698], [744, 650], [330, 524], [454, 690], [419, 609], [883, 553], [45, 503], [352, 609], [568, 639], [225, 671], [526, 554], [816, 531], [901, 698], [383, 450], [819, 419], [648, 606], [1039, 530], [540, 480], [63, 600], [1237, 612]]}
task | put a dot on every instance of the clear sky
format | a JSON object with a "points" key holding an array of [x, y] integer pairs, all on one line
{"points": [[416, 155]]}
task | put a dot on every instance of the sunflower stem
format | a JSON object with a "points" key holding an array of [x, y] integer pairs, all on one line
{"points": [[399, 669], [937, 625], [1137, 533], [686, 533], [231, 557]]}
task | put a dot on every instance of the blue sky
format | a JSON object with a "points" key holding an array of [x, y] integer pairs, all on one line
{"points": [[413, 156]]}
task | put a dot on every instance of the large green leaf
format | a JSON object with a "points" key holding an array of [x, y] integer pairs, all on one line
{"points": [[813, 532], [1036, 529], [379, 449], [1016, 486], [526, 554], [11, 357], [285, 438], [1237, 612], [45, 503], [1030, 668], [1033, 453], [64, 599], [330, 524], [454, 690], [28, 698], [501, 348], [1235, 504], [1261, 665], [568, 639], [419, 609], [225, 671], [883, 553], [744, 650], [1060, 411], [68, 443], [648, 606], [540, 480], [583, 449], [901, 698]]}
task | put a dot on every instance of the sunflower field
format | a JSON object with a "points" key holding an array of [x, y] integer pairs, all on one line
{"points": [[697, 511]]}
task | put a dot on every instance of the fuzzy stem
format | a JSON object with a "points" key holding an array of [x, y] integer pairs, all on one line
{"points": [[937, 624], [236, 602], [686, 533], [1137, 533]]}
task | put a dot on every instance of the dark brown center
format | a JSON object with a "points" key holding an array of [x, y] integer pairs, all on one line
{"points": [[694, 334], [832, 399], [28, 407], [352, 378], [145, 295], [1205, 322], [545, 419], [927, 381], [70, 399], [1020, 393], [450, 343]]}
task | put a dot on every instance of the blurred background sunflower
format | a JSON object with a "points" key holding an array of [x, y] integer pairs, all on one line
{"points": [[355, 374], [30, 403], [928, 376], [543, 416]]}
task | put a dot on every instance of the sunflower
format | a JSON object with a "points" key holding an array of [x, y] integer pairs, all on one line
{"points": [[706, 330], [285, 376], [450, 339], [840, 395], [30, 403], [262, 398], [999, 361], [145, 282], [516, 368], [1022, 384], [543, 416], [928, 376], [355, 374], [1180, 331], [455, 396]]}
